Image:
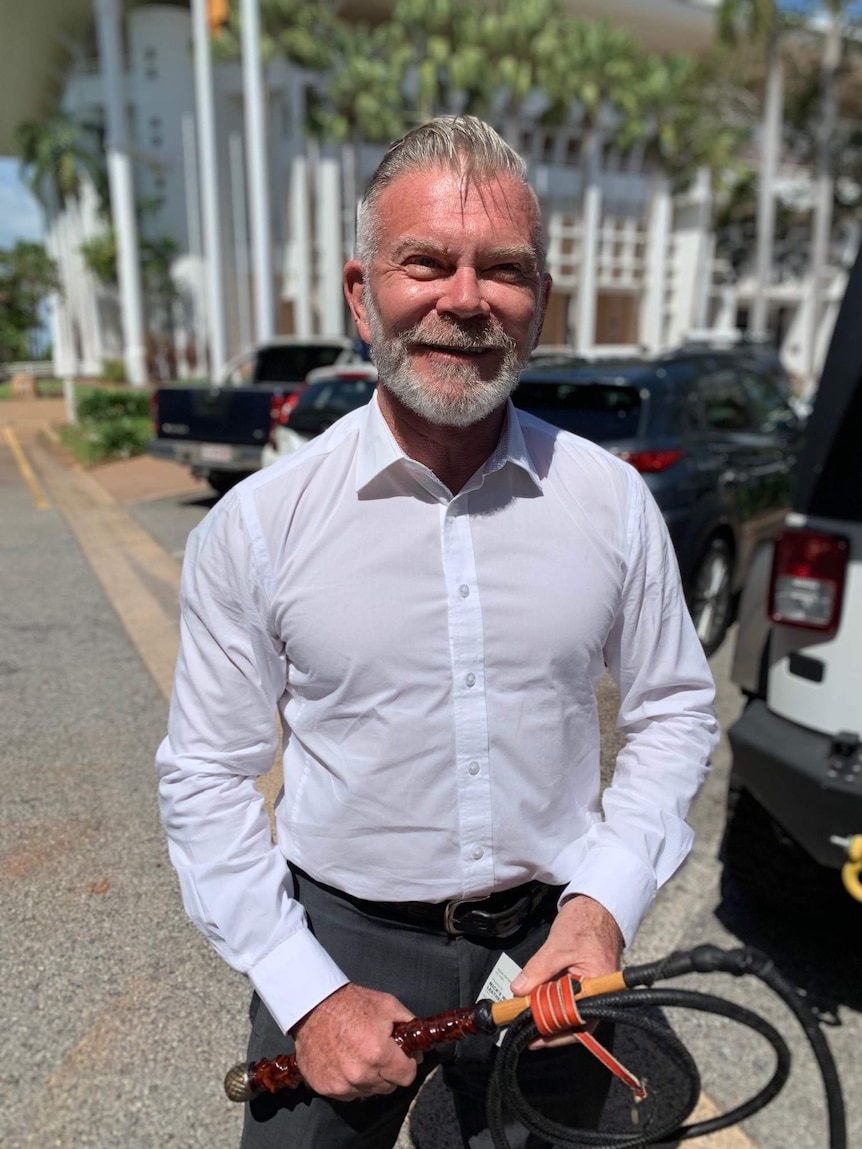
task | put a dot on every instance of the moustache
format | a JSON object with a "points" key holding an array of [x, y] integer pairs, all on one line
{"points": [[485, 336]]}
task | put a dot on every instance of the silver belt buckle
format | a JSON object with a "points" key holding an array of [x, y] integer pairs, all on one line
{"points": [[448, 923]]}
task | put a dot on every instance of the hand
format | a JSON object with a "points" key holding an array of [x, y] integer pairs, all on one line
{"points": [[585, 941], [344, 1046]]}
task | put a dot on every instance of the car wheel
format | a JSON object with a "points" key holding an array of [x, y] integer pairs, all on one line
{"points": [[222, 481], [710, 596], [768, 868]]}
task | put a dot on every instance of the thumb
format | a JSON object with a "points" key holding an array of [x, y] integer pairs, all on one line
{"points": [[542, 966]]}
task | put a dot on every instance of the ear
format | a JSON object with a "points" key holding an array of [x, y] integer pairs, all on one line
{"points": [[547, 284], [354, 293]]}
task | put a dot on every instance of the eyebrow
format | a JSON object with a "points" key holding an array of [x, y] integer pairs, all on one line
{"points": [[521, 253]]}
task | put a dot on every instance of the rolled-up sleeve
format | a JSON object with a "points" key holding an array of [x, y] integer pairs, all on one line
{"points": [[222, 736], [668, 718]]}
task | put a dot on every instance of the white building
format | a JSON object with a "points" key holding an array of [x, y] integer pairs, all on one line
{"points": [[636, 269]]}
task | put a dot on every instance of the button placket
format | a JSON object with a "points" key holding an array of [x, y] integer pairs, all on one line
{"points": [[466, 636]]}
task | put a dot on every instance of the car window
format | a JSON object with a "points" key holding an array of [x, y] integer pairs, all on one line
{"points": [[597, 411], [334, 395], [725, 406], [291, 364], [768, 408]]}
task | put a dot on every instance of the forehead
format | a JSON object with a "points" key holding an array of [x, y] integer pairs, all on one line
{"points": [[450, 209]]}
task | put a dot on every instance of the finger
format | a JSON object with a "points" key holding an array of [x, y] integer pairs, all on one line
{"points": [[555, 1042]]}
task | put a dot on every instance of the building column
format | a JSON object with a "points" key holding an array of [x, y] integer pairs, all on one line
{"points": [[330, 251], [258, 173], [122, 190], [209, 188], [591, 223], [652, 317], [297, 276]]}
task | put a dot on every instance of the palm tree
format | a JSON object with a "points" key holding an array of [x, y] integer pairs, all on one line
{"points": [[56, 154], [763, 23]]}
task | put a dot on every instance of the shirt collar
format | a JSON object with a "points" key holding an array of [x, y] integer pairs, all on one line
{"points": [[378, 451]]}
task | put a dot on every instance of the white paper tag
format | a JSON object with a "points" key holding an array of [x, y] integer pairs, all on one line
{"points": [[498, 985]]}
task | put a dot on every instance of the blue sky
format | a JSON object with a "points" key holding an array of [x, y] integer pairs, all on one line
{"points": [[20, 215]]}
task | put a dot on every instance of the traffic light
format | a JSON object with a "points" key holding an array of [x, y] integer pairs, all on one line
{"points": [[217, 15]]}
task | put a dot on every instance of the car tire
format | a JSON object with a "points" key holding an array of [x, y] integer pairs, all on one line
{"points": [[766, 867], [222, 481], [710, 597]]}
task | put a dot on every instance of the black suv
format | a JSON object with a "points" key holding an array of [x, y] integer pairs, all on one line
{"points": [[715, 439]]}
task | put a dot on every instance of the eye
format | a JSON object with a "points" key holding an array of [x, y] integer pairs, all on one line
{"points": [[507, 271], [423, 265]]}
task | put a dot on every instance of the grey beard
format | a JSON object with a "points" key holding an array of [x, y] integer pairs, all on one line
{"points": [[470, 398]]}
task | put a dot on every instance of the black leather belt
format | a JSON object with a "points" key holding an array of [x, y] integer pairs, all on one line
{"points": [[498, 915]]}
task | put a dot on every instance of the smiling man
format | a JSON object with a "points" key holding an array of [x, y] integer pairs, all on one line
{"points": [[428, 593]]}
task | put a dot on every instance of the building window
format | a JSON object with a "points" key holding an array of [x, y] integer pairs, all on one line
{"points": [[155, 131], [151, 70]]}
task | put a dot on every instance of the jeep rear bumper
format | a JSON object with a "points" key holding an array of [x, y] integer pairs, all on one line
{"points": [[795, 775]]}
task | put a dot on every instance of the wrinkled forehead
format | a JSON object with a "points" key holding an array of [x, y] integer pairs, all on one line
{"points": [[460, 195]]}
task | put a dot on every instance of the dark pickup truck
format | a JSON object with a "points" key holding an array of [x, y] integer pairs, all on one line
{"points": [[219, 430]]}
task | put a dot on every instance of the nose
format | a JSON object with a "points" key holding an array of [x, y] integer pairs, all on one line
{"points": [[463, 295]]}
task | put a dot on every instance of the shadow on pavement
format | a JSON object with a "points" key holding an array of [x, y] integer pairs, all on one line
{"points": [[816, 951]]}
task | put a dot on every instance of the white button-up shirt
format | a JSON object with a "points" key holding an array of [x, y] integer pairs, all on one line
{"points": [[433, 659]]}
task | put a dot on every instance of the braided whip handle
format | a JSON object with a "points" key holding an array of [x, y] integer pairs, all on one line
{"points": [[248, 1079]]}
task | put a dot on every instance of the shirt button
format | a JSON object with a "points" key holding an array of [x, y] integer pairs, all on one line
{"points": [[477, 852], [464, 590], [470, 679], [473, 768]]}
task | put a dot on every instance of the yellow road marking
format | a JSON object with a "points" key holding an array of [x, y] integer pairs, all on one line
{"points": [[26, 470]]}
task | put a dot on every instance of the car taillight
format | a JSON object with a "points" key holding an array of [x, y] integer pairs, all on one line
{"points": [[154, 412], [280, 407], [808, 579], [649, 462]]}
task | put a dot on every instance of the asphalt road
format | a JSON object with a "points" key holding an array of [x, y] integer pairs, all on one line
{"points": [[118, 1019]]}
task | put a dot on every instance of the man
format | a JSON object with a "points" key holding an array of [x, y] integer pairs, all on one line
{"points": [[429, 593]]}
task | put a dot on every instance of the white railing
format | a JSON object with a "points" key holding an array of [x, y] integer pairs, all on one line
{"points": [[38, 368]]}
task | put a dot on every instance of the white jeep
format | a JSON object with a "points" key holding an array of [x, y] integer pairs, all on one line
{"points": [[795, 802]]}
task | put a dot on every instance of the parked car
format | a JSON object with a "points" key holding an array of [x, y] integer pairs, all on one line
{"points": [[794, 817], [329, 393], [220, 429], [715, 441]]}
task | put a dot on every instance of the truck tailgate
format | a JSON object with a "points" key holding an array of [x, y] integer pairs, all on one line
{"points": [[235, 415]]}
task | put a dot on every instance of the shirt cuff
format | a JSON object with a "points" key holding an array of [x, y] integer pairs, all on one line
{"points": [[295, 977], [617, 881]]}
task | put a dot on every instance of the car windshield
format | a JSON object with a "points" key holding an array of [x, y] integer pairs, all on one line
{"points": [[291, 363], [334, 396], [597, 411]]}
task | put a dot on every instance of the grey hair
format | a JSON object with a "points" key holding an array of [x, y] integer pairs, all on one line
{"points": [[462, 144]]}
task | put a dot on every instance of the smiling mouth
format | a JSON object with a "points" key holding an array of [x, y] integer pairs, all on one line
{"points": [[448, 349]]}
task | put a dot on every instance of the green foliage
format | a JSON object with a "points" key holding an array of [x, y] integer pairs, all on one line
{"points": [[113, 371], [471, 59], [300, 31], [27, 276], [361, 97], [99, 405], [112, 424], [56, 153], [100, 256]]}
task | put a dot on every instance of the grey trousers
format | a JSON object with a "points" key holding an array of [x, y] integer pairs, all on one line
{"points": [[430, 973]]}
